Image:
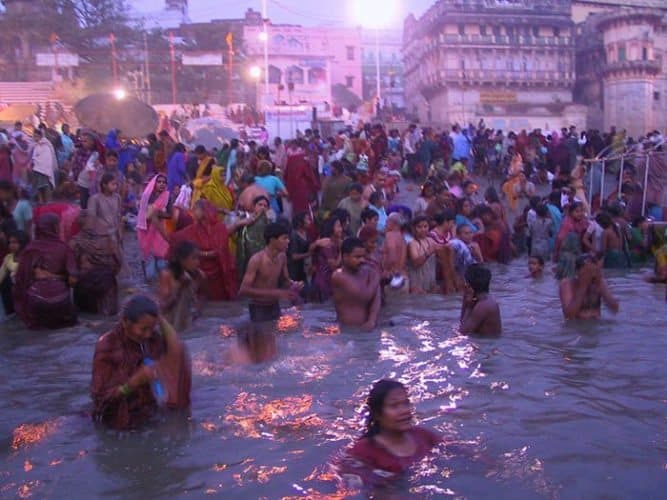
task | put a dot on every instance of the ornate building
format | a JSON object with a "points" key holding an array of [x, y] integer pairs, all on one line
{"points": [[539, 63], [622, 69], [509, 62]]}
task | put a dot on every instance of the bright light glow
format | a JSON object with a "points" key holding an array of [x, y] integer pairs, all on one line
{"points": [[374, 14], [263, 36], [255, 72], [120, 94]]}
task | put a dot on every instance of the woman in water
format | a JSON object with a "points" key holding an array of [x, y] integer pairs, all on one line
{"points": [[179, 284], [391, 443], [129, 358], [151, 230], [10, 264], [422, 252], [326, 258], [47, 269]]}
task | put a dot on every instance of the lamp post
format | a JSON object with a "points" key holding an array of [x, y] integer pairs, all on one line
{"points": [[256, 73], [264, 37]]}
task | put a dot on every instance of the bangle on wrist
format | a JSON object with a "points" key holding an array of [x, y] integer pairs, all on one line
{"points": [[125, 390]]}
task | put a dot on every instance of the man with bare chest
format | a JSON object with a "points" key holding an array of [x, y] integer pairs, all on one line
{"points": [[480, 313], [356, 288], [266, 281]]}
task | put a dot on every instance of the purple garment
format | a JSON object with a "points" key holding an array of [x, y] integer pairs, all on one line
{"points": [[176, 171], [323, 272]]}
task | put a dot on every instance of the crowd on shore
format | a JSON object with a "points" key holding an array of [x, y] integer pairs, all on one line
{"points": [[311, 219]]}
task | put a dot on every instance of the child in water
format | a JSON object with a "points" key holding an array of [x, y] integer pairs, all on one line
{"points": [[391, 443], [536, 267]]}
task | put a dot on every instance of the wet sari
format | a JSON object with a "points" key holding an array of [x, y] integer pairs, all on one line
{"points": [[203, 170], [151, 241], [251, 241], [41, 292], [116, 359], [216, 192], [210, 235]]}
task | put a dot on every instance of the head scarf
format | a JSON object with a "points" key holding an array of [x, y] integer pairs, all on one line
{"points": [[161, 202]]}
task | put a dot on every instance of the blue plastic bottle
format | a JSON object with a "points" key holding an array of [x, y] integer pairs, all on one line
{"points": [[159, 392]]}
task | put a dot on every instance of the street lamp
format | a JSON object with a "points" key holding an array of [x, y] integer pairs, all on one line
{"points": [[255, 73], [375, 14], [119, 94]]}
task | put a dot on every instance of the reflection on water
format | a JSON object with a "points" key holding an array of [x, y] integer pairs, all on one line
{"points": [[548, 410]]}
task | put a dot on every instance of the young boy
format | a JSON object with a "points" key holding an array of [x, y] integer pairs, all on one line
{"points": [[536, 267]]}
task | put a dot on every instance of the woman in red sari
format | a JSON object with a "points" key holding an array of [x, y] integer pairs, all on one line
{"points": [[212, 238], [494, 241], [300, 179], [47, 269]]}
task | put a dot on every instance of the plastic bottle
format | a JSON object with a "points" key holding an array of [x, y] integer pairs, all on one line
{"points": [[159, 392]]}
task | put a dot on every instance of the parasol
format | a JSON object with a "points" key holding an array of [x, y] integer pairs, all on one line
{"points": [[209, 132], [103, 112]]}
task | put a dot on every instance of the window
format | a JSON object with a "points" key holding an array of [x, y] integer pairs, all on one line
{"points": [[644, 54], [496, 31], [536, 31], [349, 82], [656, 96], [482, 30], [621, 53], [462, 29], [462, 64], [556, 31], [350, 53]]}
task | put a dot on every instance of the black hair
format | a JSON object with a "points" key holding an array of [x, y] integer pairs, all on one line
{"points": [[138, 307], [479, 278], [368, 214], [534, 202], [349, 244], [375, 404], [418, 220], [106, 179], [299, 220], [328, 226], [427, 184], [182, 251], [604, 220], [538, 258], [274, 230], [574, 206], [491, 195], [638, 221], [259, 198], [342, 214], [441, 217], [375, 197], [541, 210], [200, 150], [20, 236], [110, 154], [355, 186], [460, 227]]}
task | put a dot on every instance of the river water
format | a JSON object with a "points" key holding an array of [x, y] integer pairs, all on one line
{"points": [[548, 410]]}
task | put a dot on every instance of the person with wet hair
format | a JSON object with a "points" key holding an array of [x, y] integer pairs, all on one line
{"points": [[391, 443], [356, 288], [142, 348], [581, 297], [179, 284], [480, 313], [266, 281]]}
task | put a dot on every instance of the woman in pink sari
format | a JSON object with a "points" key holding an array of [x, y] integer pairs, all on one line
{"points": [[154, 207]]}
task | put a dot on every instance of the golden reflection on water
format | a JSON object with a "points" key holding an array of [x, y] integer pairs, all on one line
{"points": [[27, 434], [289, 321], [256, 419]]}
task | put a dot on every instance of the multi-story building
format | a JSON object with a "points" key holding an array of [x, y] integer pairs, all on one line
{"points": [[304, 62], [622, 69], [539, 63], [390, 43]]}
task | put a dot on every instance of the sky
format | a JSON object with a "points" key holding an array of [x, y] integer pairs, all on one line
{"points": [[306, 12]]}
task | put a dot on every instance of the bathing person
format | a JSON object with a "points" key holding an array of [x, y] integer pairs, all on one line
{"points": [[480, 313], [392, 442], [535, 267], [266, 270], [356, 288], [581, 297], [122, 374], [179, 284]]}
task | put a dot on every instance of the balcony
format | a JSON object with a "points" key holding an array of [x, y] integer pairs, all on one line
{"points": [[638, 66]]}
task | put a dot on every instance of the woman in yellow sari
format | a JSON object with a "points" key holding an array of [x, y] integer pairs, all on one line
{"points": [[516, 167], [216, 192], [203, 175]]}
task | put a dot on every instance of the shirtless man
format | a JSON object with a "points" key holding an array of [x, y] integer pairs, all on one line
{"points": [[378, 183], [266, 281], [480, 313], [581, 296], [356, 288], [395, 250]]}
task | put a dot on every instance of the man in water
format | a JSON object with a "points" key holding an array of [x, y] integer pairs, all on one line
{"points": [[581, 297], [356, 288], [480, 313], [266, 271]]}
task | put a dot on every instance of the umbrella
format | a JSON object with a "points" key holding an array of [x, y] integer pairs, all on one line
{"points": [[209, 132], [103, 112]]}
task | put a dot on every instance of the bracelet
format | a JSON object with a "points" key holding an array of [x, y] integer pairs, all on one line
{"points": [[125, 390]]}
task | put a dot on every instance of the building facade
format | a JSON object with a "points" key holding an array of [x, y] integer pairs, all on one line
{"points": [[304, 62], [622, 69], [511, 63]]}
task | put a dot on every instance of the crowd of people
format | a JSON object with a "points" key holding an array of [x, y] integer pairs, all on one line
{"points": [[312, 219]]}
